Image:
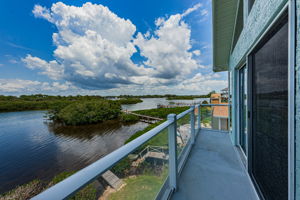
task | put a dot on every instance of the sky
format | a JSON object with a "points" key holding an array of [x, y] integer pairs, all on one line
{"points": [[107, 47]]}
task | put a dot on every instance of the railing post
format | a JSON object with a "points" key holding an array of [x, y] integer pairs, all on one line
{"points": [[199, 117], [193, 124], [229, 117], [172, 129]]}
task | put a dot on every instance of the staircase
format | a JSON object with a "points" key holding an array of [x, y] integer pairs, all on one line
{"points": [[151, 152], [112, 180]]}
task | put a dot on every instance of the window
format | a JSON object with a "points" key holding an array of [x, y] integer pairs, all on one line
{"points": [[269, 113]]}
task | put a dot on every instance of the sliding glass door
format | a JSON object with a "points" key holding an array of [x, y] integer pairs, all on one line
{"points": [[269, 113], [243, 118]]}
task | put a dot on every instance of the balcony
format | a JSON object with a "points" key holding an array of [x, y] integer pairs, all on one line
{"points": [[214, 171], [182, 158]]}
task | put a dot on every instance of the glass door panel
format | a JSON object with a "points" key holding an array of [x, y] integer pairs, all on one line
{"points": [[243, 108], [269, 135]]}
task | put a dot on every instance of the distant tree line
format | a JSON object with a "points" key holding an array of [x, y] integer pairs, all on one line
{"points": [[129, 100], [77, 110], [43, 97], [165, 96], [48, 102]]}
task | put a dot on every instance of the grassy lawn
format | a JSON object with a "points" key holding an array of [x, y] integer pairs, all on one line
{"points": [[162, 138], [140, 187], [206, 115]]}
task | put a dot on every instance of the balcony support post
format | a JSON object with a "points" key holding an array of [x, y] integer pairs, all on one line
{"points": [[172, 129], [192, 122], [199, 117]]}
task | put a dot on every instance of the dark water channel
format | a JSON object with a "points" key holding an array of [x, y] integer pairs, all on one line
{"points": [[33, 148]]}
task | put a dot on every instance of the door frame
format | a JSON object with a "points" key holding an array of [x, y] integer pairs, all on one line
{"points": [[290, 9], [239, 106], [291, 98]]}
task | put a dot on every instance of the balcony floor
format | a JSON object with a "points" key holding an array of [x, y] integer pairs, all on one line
{"points": [[213, 171]]}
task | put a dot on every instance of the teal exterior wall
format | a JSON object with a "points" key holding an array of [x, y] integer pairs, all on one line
{"points": [[260, 17], [297, 100], [262, 14]]}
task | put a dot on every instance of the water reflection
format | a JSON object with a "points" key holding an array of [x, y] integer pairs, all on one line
{"points": [[85, 131], [32, 148]]}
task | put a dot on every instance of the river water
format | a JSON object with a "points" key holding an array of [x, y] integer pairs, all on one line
{"points": [[33, 148], [149, 103]]}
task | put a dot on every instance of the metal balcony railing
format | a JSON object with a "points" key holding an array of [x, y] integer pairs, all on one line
{"points": [[174, 138], [215, 117]]}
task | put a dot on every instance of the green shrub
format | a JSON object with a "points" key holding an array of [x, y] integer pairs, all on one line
{"points": [[130, 100], [204, 102], [89, 192], [59, 177], [129, 118], [88, 112], [33, 188], [122, 168], [25, 191]]}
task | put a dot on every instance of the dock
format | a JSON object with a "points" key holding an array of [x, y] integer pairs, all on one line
{"points": [[145, 118], [155, 152], [114, 181], [175, 105]]}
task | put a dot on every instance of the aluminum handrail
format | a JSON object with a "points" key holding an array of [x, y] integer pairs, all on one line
{"points": [[181, 115], [74, 183], [211, 105], [215, 104]]}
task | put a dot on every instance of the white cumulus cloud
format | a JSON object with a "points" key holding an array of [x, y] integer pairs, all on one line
{"points": [[51, 69], [28, 86], [202, 84], [94, 49], [94, 45], [11, 85], [168, 50]]}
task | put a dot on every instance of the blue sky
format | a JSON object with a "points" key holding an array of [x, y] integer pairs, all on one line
{"points": [[106, 47]]}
